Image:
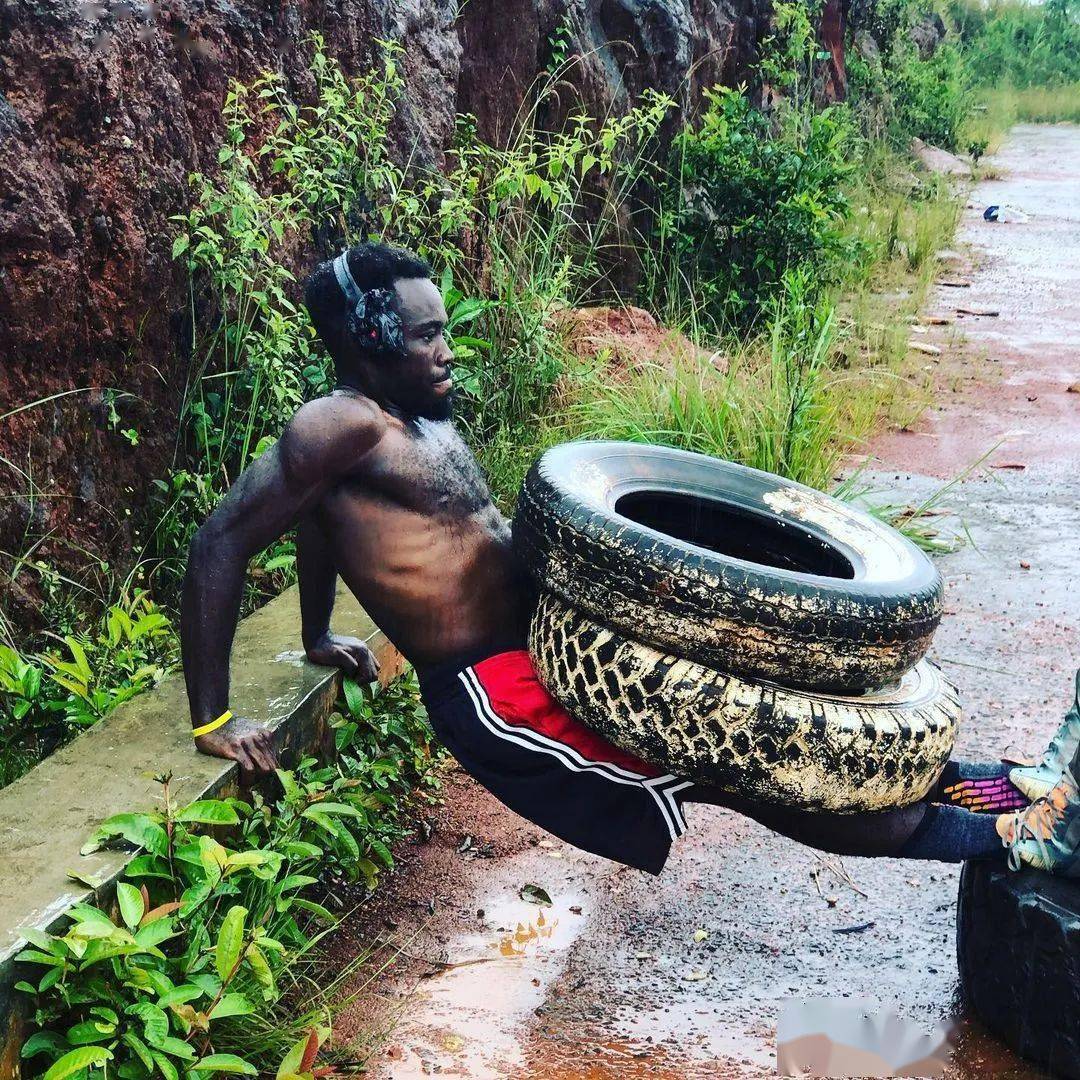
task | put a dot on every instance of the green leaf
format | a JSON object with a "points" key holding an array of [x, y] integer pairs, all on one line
{"points": [[36, 956], [354, 696], [41, 940], [289, 784], [85, 1057], [131, 904], [90, 1031], [41, 1042], [232, 1005], [226, 1063], [260, 969], [296, 881], [315, 909], [244, 859], [534, 894], [290, 1063], [138, 829], [180, 245], [210, 984], [142, 1051], [155, 1021], [230, 940], [148, 866], [153, 934], [209, 812], [193, 898], [382, 851], [92, 921], [213, 858], [99, 950], [176, 1048], [332, 809], [179, 994], [301, 849], [165, 1066]]}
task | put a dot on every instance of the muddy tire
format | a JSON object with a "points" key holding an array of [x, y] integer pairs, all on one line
{"points": [[814, 751], [1018, 950], [739, 569]]}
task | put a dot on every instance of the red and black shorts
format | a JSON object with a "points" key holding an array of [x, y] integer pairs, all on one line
{"points": [[512, 736]]}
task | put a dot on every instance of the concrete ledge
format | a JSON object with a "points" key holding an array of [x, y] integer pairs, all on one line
{"points": [[47, 815]]}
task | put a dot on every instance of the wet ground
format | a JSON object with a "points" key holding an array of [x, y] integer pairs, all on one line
{"points": [[679, 976]]}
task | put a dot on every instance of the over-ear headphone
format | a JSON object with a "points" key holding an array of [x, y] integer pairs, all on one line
{"points": [[373, 320]]}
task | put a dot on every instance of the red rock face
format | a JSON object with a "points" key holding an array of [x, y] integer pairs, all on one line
{"points": [[832, 34], [105, 108]]}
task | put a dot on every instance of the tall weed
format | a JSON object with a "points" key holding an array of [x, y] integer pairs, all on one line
{"points": [[774, 408]]}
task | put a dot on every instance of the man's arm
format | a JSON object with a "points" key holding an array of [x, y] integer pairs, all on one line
{"points": [[324, 441], [318, 579], [317, 575]]}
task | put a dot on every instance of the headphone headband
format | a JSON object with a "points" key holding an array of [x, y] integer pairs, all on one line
{"points": [[346, 282]]}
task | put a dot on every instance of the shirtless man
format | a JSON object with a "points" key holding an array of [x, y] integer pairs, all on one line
{"points": [[385, 493]]}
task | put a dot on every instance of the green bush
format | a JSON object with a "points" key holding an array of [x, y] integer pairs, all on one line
{"points": [[191, 975], [897, 92], [49, 695], [1020, 44], [753, 198], [931, 98]]}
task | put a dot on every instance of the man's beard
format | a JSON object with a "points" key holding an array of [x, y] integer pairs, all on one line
{"points": [[440, 408]]}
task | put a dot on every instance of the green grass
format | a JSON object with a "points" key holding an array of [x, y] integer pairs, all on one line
{"points": [[1004, 106], [816, 380]]}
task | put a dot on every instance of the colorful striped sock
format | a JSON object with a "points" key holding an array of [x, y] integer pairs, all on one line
{"points": [[980, 787]]}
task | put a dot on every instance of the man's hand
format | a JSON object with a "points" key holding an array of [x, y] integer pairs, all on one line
{"points": [[245, 742], [348, 653]]}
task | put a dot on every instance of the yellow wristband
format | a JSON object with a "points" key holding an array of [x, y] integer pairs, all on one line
{"points": [[224, 718]]}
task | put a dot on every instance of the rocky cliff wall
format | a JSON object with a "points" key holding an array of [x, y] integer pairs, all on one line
{"points": [[106, 107]]}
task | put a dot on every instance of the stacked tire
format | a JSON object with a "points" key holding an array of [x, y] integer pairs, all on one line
{"points": [[735, 628]]}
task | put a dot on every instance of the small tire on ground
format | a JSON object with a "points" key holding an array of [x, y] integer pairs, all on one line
{"points": [[813, 751], [741, 570], [1018, 950]]}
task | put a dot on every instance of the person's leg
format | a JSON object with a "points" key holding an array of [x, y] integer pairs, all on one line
{"points": [[922, 831]]}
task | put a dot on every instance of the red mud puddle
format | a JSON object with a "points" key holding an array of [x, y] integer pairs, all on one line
{"points": [[465, 1019]]}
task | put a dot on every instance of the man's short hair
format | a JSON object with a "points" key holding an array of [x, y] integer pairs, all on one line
{"points": [[373, 266]]}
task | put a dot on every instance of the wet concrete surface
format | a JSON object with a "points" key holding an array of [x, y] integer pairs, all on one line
{"points": [[680, 976], [48, 814]]}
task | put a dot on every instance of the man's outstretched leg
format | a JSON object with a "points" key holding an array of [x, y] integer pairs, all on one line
{"points": [[1044, 835], [923, 831]]}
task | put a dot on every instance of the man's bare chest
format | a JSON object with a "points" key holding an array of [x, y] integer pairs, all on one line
{"points": [[425, 466]]}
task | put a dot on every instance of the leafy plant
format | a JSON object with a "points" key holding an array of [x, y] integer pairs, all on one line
{"points": [[749, 202], [132, 651], [47, 695], [1020, 45], [215, 910]]}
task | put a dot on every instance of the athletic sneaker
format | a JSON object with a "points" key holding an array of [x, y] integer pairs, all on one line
{"points": [[1046, 835], [1035, 781]]}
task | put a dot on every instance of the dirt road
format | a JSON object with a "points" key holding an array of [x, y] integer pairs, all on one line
{"points": [[629, 976]]}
